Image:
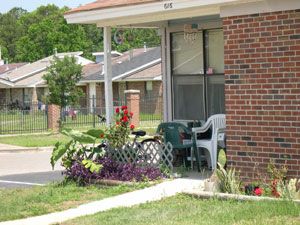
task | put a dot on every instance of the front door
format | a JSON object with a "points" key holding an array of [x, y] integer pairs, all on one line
{"points": [[197, 71]]}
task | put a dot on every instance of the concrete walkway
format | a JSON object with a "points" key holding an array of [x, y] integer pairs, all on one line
{"points": [[9, 147], [157, 192], [13, 148]]}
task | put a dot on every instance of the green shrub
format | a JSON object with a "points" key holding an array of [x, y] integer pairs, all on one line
{"points": [[229, 181]]}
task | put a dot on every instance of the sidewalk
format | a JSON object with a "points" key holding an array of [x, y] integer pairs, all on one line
{"points": [[155, 193], [13, 148]]}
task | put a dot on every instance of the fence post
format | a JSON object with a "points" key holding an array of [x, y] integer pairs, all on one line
{"points": [[53, 117], [133, 103], [34, 101]]}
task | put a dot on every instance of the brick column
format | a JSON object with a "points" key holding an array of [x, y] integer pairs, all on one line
{"points": [[34, 100], [133, 103], [53, 117]]}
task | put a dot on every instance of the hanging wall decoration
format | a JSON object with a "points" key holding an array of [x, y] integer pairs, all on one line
{"points": [[191, 32], [119, 36]]}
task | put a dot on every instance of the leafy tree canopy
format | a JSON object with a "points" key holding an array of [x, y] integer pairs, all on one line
{"points": [[10, 31], [61, 78], [30, 36]]}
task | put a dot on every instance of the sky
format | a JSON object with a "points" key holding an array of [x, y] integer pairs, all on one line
{"points": [[30, 5]]}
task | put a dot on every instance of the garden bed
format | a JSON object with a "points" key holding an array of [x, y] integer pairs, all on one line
{"points": [[239, 197], [117, 182]]}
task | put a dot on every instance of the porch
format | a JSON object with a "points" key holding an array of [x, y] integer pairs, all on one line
{"points": [[222, 56]]}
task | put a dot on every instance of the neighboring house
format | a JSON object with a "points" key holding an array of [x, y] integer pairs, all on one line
{"points": [[138, 69], [25, 84], [4, 69], [239, 57], [100, 55]]}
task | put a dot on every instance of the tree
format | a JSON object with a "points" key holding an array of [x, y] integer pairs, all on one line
{"points": [[11, 31], [47, 29], [62, 77], [135, 38], [30, 36]]}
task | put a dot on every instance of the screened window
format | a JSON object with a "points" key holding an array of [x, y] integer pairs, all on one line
{"points": [[198, 75], [187, 56], [188, 97], [214, 51], [215, 94]]}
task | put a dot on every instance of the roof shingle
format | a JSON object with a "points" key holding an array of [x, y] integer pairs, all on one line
{"points": [[102, 4], [8, 67], [122, 64]]}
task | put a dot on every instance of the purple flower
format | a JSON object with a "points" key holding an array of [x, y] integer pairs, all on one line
{"points": [[113, 170]]}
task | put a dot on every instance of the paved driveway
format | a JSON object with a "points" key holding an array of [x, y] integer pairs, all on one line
{"points": [[28, 180], [27, 168]]}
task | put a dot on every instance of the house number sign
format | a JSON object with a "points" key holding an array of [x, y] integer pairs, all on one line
{"points": [[168, 5]]}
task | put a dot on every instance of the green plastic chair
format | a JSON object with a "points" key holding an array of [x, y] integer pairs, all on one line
{"points": [[175, 133]]}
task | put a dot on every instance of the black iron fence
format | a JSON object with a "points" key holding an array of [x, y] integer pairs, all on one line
{"points": [[29, 119], [25, 117], [151, 111], [90, 112]]}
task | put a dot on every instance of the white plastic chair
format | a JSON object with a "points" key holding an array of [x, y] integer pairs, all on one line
{"points": [[218, 124]]}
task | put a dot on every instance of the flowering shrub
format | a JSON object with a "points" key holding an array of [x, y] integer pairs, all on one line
{"points": [[84, 164], [112, 170], [274, 187], [258, 191], [278, 177], [118, 134]]}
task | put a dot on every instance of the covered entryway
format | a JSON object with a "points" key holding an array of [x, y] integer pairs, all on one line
{"points": [[259, 57], [192, 49]]}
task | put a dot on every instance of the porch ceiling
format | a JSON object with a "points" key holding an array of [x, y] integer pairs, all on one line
{"points": [[149, 13]]}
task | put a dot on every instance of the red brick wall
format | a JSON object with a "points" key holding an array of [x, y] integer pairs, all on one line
{"points": [[152, 105], [262, 72]]}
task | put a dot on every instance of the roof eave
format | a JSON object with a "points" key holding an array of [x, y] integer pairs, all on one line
{"points": [[6, 83], [148, 13]]}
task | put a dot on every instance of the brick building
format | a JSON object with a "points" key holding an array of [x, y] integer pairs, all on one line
{"points": [[239, 57], [138, 69]]}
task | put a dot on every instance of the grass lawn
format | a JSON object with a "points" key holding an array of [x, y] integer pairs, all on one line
{"points": [[40, 140], [186, 210], [43, 140], [21, 203]]}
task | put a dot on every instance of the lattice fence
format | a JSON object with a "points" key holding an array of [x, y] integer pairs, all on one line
{"points": [[148, 154]]}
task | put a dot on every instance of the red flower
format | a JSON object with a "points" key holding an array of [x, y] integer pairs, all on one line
{"points": [[275, 193], [125, 111], [118, 123], [101, 135], [125, 119], [258, 191], [117, 110], [131, 127], [131, 114], [124, 107]]}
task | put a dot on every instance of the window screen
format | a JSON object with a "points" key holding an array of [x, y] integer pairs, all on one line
{"points": [[187, 57]]}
